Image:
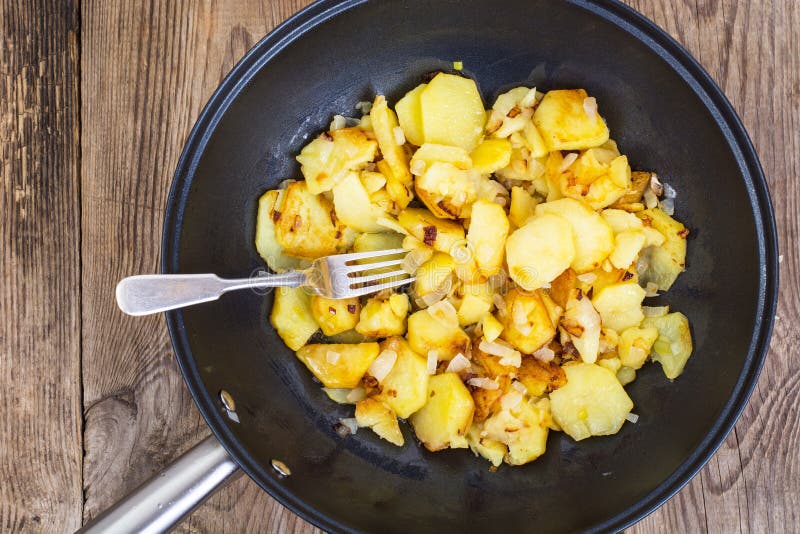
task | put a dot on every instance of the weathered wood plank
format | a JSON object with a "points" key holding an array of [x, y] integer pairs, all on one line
{"points": [[40, 411]]}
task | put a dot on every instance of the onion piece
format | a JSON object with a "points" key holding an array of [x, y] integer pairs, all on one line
{"points": [[383, 365], [338, 123], [356, 394], [399, 136], [587, 278], [445, 313], [632, 417], [529, 100], [519, 386], [655, 311], [457, 364], [571, 158], [650, 199], [590, 106], [350, 424], [415, 258], [364, 107], [655, 185], [651, 289], [510, 400], [668, 206], [514, 360], [433, 359], [500, 303], [545, 354], [391, 224], [483, 383], [508, 355], [431, 298]]}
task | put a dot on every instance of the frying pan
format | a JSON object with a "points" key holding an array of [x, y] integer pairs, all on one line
{"points": [[666, 114]]}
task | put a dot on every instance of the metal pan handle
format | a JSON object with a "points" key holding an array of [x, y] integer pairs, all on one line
{"points": [[158, 504]]}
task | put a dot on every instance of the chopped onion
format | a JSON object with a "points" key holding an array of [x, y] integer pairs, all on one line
{"points": [[497, 282], [500, 200], [483, 383], [350, 424], [356, 394], [651, 289], [669, 191], [431, 298], [650, 199], [383, 364], [545, 285], [338, 123], [545, 354], [433, 360], [500, 303], [414, 259], [508, 355], [391, 224], [529, 100], [513, 360], [655, 185], [510, 400], [460, 198], [524, 329], [284, 184], [445, 313], [519, 386], [655, 311], [632, 417], [478, 330], [590, 106], [457, 364], [364, 107], [568, 161], [332, 357], [518, 314], [668, 205], [417, 167], [587, 278], [399, 136]]}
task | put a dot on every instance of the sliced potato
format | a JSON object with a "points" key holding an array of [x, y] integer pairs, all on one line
{"points": [[372, 242], [565, 124], [522, 206], [492, 450], [431, 153], [491, 155], [426, 333], [306, 227], [446, 190], [627, 246], [338, 365], [335, 315], [526, 324], [444, 420], [409, 114], [437, 233], [664, 263], [473, 309], [621, 220], [540, 250], [405, 388], [620, 305], [639, 182], [384, 122], [383, 318], [452, 111], [592, 403], [594, 239], [487, 236], [374, 414], [539, 377], [326, 159], [292, 317], [522, 429], [266, 242], [492, 328], [353, 205], [435, 275], [635, 344], [674, 344]]}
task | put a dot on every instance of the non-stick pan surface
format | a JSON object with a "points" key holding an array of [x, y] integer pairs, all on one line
{"points": [[666, 114]]}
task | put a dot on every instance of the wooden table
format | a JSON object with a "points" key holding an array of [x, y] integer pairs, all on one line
{"points": [[95, 102]]}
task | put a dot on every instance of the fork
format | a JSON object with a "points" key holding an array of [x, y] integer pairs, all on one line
{"points": [[337, 277]]}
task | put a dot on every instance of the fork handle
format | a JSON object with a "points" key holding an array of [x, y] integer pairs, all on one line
{"points": [[155, 293]]}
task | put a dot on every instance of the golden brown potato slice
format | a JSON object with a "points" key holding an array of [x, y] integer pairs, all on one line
{"points": [[292, 317], [409, 114], [452, 111], [266, 242], [405, 388], [374, 414], [540, 377], [444, 420], [338, 365], [438, 233], [425, 333], [566, 122], [526, 323], [307, 227], [326, 159], [383, 318], [335, 315], [665, 262]]}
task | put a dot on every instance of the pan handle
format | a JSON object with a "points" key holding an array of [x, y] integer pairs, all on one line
{"points": [[158, 504]]}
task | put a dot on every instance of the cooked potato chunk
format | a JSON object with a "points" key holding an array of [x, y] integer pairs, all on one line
{"points": [[539, 377], [335, 315], [639, 182], [444, 420], [664, 263], [592, 403], [437, 233], [338, 365], [306, 227], [526, 323], [430, 153], [492, 450], [473, 309], [522, 206], [426, 333], [292, 317], [446, 190], [266, 242], [378, 241], [492, 328], [405, 388], [384, 122], [620, 305], [353, 206], [383, 318], [409, 114], [326, 159], [540, 250], [674, 344], [594, 240], [487, 236], [374, 414], [627, 246], [491, 155], [635, 344], [565, 123], [435, 275], [521, 428], [452, 111]]}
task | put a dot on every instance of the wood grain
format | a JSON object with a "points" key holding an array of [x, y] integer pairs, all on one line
{"points": [[94, 109], [40, 411]]}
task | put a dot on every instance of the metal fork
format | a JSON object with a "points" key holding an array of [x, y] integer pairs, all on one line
{"points": [[336, 277]]}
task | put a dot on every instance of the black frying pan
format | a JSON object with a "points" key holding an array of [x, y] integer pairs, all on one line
{"points": [[666, 114]]}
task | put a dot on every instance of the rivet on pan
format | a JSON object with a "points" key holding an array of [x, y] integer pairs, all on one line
{"points": [[229, 404], [281, 468]]}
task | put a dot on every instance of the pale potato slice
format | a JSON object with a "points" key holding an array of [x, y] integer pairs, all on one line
{"points": [[383, 318], [338, 365], [492, 450], [444, 420], [635, 344], [335, 315], [534, 140], [426, 333], [405, 388], [326, 159], [440, 234], [409, 114], [372, 242], [594, 239], [592, 403], [446, 190], [565, 124], [674, 344], [540, 250], [353, 206], [492, 328], [487, 236], [434, 276], [473, 309], [452, 112], [374, 414], [526, 323], [627, 246], [384, 121], [266, 242], [292, 317], [431, 153], [306, 227], [620, 305], [521, 207], [621, 220], [491, 155], [522, 429], [664, 263]]}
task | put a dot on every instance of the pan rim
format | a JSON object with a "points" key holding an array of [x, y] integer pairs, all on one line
{"points": [[646, 32]]}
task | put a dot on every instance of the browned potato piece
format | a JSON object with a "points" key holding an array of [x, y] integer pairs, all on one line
{"points": [[405, 388], [326, 159], [374, 414], [560, 287], [383, 318], [485, 400], [426, 333], [444, 420], [338, 365], [438, 233], [536, 330], [540, 377], [307, 226], [639, 182], [564, 123], [335, 315]]}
